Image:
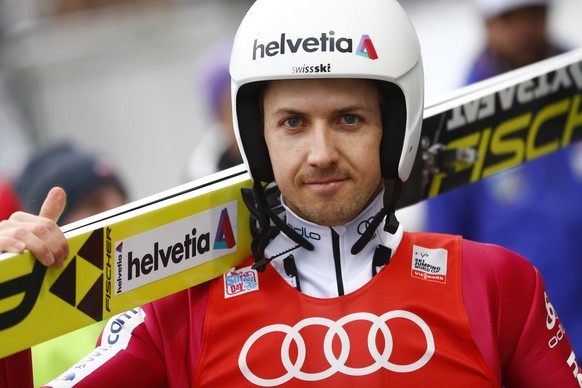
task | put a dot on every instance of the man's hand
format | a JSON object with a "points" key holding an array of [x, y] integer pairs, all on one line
{"points": [[39, 234]]}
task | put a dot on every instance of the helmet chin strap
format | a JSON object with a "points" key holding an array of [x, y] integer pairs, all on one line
{"points": [[388, 211], [256, 201]]}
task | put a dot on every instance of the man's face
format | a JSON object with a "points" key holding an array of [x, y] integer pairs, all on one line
{"points": [[324, 138], [519, 36]]}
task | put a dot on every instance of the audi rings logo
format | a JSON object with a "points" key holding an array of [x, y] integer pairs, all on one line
{"points": [[336, 364], [362, 226]]}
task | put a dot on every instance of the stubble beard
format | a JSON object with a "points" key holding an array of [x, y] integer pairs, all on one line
{"points": [[333, 211]]}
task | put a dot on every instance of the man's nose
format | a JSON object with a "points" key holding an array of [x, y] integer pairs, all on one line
{"points": [[322, 148]]}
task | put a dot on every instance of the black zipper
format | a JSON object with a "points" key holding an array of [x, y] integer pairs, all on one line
{"points": [[337, 261]]}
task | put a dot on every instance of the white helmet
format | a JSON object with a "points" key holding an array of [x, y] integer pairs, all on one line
{"points": [[304, 39]]}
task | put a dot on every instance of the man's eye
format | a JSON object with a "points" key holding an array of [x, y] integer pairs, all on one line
{"points": [[350, 119], [292, 122]]}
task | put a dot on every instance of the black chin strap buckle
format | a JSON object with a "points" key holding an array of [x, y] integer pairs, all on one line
{"points": [[291, 270], [391, 225], [381, 258]]}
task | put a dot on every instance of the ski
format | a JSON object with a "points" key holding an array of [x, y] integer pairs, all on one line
{"points": [[176, 239], [126, 257], [494, 125]]}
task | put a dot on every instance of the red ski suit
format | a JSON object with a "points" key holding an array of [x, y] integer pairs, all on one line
{"points": [[496, 325], [443, 312]]}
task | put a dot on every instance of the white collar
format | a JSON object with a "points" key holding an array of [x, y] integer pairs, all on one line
{"points": [[317, 269]]}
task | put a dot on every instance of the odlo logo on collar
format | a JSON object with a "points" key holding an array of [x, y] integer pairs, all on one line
{"points": [[327, 42]]}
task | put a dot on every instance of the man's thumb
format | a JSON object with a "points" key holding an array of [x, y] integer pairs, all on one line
{"points": [[54, 204]]}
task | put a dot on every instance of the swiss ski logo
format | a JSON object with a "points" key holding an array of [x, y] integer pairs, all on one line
{"points": [[241, 281], [429, 264]]}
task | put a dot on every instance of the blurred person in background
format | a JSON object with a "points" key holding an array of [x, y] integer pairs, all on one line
{"points": [[534, 209], [217, 149], [91, 183], [92, 186], [516, 35]]}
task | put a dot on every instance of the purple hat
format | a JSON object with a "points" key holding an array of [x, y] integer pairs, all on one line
{"points": [[214, 75]]}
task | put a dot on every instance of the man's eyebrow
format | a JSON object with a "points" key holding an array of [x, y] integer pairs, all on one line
{"points": [[286, 111], [342, 110], [352, 108]]}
